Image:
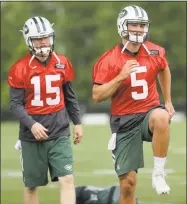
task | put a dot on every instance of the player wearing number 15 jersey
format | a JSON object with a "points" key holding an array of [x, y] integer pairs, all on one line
{"points": [[42, 98], [127, 75]]}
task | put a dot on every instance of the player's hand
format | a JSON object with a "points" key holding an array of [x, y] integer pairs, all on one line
{"points": [[38, 131], [128, 68], [78, 134], [169, 107]]}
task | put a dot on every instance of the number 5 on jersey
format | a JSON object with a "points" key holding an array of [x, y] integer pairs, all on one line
{"points": [[135, 82], [49, 89]]}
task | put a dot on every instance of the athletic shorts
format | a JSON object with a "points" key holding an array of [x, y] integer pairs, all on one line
{"points": [[39, 157], [128, 154]]}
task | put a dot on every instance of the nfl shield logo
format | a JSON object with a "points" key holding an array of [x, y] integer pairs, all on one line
{"points": [[59, 66]]}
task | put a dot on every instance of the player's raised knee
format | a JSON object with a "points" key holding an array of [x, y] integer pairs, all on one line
{"points": [[160, 116]]}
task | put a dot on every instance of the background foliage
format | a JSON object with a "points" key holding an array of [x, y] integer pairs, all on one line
{"points": [[84, 30]]}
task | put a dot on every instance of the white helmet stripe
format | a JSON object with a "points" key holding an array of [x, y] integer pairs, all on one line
{"points": [[135, 10], [43, 24], [37, 25], [142, 12], [40, 24], [139, 11]]}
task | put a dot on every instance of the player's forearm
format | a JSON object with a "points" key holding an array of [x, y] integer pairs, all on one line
{"points": [[105, 91], [71, 103], [74, 113], [165, 84], [17, 108], [20, 113]]}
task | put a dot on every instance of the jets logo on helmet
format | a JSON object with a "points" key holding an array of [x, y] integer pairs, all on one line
{"points": [[133, 14], [25, 29], [122, 13]]}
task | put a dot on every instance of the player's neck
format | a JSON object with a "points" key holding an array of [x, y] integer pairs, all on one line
{"points": [[132, 47], [42, 59]]}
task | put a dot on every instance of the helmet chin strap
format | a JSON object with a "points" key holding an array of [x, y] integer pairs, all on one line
{"points": [[146, 49], [125, 46], [58, 60], [31, 61], [39, 51]]}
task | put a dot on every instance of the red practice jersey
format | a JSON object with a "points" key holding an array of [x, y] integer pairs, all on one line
{"points": [[137, 93], [42, 84]]}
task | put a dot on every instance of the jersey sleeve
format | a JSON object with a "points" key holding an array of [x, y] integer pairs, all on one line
{"points": [[163, 63], [69, 72], [101, 71], [15, 78]]}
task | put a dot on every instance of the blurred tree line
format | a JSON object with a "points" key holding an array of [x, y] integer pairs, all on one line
{"points": [[84, 30]]}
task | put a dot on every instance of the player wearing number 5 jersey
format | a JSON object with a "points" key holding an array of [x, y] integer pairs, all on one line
{"points": [[42, 98], [127, 74]]}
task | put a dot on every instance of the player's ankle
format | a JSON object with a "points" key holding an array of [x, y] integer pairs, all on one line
{"points": [[159, 162]]}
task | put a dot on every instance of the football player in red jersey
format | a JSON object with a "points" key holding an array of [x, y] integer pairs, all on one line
{"points": [[127, 75], [42, 98]]}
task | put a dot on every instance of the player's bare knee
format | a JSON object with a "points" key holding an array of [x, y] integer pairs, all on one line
{"points": [[162, 121], [127, 188], [159, 118], [31, 190], [127, 185], [67, 180]]}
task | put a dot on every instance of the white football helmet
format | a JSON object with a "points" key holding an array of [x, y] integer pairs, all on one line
{"points": [[38, 27], [133, 14]]}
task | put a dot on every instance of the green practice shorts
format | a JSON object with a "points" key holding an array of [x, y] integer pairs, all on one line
{"points": [[128, 154], [38, 157]]}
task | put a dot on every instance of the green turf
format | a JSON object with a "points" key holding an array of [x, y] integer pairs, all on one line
{"points": [[93, 166]]}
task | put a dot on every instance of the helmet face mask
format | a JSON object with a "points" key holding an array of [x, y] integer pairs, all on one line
{"points": [[129, 16], [41, 46], [38, 28]]}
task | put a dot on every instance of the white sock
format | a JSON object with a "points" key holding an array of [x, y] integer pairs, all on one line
{"points": [[159, 162]]}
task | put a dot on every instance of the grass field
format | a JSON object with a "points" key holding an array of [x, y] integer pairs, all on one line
{"points": [[93, 166]]}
